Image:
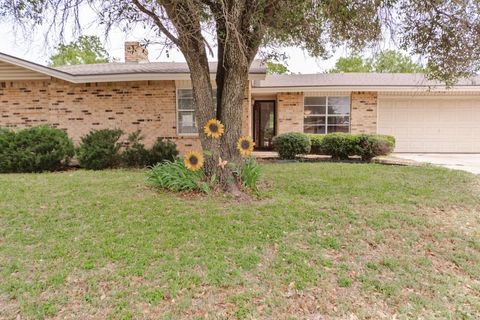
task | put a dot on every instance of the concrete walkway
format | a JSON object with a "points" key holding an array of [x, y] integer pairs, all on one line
{"points": [[273, 155], [465, 162]]}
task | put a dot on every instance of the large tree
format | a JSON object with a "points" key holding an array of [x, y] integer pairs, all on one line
{"points": [[84, 50], [445, 33]]}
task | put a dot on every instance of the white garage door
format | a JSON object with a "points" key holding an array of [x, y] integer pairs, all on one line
{"points": [[424, 124]]}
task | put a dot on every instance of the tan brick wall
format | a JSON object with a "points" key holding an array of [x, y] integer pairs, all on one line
{"points": [[290, 112], [149, 106], [364, 112], [24, 103]]}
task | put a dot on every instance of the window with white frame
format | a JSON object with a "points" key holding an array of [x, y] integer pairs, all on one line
{"points": [[326, 114], [186, 121]]}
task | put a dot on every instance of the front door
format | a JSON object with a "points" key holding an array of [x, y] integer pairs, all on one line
{"points": [[263, 124]]}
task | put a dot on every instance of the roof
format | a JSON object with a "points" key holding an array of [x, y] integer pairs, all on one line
{"points": [[145, 68], [355, 81], [110, 72]]}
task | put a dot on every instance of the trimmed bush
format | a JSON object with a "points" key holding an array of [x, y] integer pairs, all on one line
{"points": [[340, 145], [162, 150], [370, 146], [35, 149], [291, 144], [390, 139], [316, 143], [135, 154], [100, 149]]}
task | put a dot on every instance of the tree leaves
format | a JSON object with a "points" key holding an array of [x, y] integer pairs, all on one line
{"points": [[85, 50]]}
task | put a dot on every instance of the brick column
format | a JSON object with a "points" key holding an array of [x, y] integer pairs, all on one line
{"points": [[290, 112], [364, 108]]}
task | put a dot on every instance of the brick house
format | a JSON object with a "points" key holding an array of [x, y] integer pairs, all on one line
{"points": [[156, 98]]}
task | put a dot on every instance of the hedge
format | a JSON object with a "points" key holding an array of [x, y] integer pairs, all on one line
{"points": [[340, 146], [291, 144]]}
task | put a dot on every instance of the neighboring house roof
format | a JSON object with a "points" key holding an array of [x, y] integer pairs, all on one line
{"points": [[12, 66], [356, 81]]}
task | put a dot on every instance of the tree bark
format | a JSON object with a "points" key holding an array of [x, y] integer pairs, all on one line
{"points": [[238, 42]]}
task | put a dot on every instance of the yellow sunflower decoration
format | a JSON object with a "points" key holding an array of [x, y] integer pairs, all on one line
{"points": [[245, 145], [214, 128], [193, 160]]}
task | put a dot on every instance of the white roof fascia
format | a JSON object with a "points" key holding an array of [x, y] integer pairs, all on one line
{"points": [[365, 88], [104, 77]]}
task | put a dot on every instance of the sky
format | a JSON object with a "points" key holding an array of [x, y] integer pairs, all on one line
{"points": [[32, 46]]}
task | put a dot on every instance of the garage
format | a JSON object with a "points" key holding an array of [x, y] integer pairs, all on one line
{"points": [[431, 123]]}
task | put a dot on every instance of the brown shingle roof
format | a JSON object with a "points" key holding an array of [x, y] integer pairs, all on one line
{"points": [[355, 80], [145, 68]]}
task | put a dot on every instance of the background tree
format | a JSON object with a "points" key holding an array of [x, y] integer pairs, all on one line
{"points": [[389, 61], [445, 33], [276, 67], [354, 63], [84, 50]]}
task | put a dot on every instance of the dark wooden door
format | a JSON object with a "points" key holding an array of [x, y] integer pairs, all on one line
{"points": [[263, 124]]}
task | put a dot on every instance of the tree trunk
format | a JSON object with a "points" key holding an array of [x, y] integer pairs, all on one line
{"points": [[237, 46], [230, 113]]}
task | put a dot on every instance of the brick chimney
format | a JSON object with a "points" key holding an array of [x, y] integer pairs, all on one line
{"points": [[135, 53]]}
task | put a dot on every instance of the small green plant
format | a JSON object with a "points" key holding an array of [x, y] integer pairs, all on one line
{"points": [[174, 176], [291, 144], [35, 149], [249, 173], [100, 149], [344, 282]]}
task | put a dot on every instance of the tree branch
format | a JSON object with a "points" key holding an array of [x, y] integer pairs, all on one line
{"points": [[157, 21]]}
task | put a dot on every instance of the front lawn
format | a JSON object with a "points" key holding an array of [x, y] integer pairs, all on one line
{"points": [[324, 240]]}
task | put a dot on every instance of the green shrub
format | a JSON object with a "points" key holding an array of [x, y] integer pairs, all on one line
{"points": [[370, 146], [340, 145], [35, 149], [100, 149], [289, 145], [390, 139], [135, 154], [162, 150], [249, 173], [8, 153], [174, 176], [316, 142]]}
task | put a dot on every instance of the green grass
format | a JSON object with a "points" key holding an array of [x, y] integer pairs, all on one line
{"points": [[323, 239]]}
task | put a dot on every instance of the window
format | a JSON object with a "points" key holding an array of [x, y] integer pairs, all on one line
{"points": [[326, 114], [186, 122]]}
